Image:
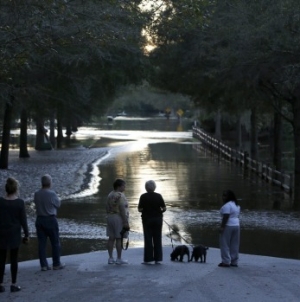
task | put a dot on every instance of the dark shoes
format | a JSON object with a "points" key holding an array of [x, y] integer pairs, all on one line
{"points": [[224, 265], [61, 266], [15, 288], [45, 268], [227, 265]]}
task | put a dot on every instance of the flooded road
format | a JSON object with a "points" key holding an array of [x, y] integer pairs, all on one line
{"points": [[190, 179]]}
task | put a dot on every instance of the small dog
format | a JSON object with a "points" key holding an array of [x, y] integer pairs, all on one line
{"points": [[199, 251], [180, 251]]}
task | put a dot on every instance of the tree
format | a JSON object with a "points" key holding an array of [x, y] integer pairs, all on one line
{"points": [[70, 56], [219, 57], [6, 133], [262, 47]]}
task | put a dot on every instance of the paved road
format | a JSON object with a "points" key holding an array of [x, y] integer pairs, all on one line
{"points": [[88, 277]]}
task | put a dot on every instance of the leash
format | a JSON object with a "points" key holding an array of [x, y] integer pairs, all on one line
{"points": [[170, 236], [124, 246], [170, 228]]}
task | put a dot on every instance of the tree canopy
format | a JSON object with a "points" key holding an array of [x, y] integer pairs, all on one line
{"points": [[233, 55]]}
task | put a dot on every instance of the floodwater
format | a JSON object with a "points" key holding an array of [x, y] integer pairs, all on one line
{"points": [[191, 181]]}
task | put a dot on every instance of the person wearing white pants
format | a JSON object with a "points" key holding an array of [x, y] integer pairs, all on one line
{"points": [[229, 230]]}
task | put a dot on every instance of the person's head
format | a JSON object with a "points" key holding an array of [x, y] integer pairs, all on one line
{"points": [[46, 181], [228, 195], [150, 186], [119, 185], [11, 186]]}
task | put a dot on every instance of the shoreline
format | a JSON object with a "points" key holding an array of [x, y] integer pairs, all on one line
{"points": [[70, 170]]}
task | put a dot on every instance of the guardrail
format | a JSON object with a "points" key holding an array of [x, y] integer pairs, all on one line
{"points": [[263, 170]]}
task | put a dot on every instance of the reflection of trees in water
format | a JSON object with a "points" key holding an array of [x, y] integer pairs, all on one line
{"points": [[191, 183]]}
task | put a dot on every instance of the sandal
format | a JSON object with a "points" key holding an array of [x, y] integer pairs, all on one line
{"points": [[224, 265]]}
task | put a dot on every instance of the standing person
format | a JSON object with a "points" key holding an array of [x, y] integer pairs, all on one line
{"points": [[152, 206], [229, 230], [12, 220], [46, 203], [117, 219]]}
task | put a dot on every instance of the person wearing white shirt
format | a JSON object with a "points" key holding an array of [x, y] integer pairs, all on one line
{"points": [[229, 230]]}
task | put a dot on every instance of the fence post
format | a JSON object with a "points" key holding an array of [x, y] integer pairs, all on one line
{"points": [[291, 183], [219, 148], [267, 173], [246, 159], [239, 156], [282, 179]]}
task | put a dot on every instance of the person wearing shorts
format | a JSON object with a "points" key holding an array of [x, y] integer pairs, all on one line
{"points": [[117, 219]]}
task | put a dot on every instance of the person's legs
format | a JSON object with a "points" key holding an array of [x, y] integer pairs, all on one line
{"points": [[42, 241], [119, 247], [157, 230], [148, 243], [14, 265], [234, 245], [110, 246], [53, 233], [2, 264], [224, 245], [111, 238]]}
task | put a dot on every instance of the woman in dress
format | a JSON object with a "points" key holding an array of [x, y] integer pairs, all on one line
{"points": [[12, 220], [229, 230]]}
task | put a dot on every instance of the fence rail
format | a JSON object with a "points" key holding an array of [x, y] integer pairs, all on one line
{"points": [[263, 170]]}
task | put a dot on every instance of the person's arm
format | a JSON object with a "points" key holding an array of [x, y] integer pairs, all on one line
{"points": [[224, 222], [163, 205], [140, 208], [23, 221], [55, 200], [123, 214]]}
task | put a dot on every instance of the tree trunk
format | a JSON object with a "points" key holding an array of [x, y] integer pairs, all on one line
{"points": [[52, 131], [296, 120], [40, 132], [68, 131], [277, 151], [23, 153], [218, 134], [253, 147], [41, 141], [239, 132], [6, 134], [59, 138]]}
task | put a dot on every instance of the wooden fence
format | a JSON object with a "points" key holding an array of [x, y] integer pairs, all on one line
{"points": [[278, 178]]}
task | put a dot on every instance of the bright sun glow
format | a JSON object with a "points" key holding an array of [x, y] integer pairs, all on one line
{"points": [[155, 7]]}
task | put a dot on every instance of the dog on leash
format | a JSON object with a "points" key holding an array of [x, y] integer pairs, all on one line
{"points": [[199, 252], [179, 252]]}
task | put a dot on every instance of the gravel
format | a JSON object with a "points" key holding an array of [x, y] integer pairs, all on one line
{"points": [[69, 168]]}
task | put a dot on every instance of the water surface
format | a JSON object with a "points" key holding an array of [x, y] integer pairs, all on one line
{"points": [[191, 180]]}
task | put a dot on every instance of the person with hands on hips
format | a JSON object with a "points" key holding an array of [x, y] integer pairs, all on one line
{"points": [[229, 230]]}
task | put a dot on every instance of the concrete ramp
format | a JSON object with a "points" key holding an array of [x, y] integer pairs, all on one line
{"points": [[88, 277]]}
